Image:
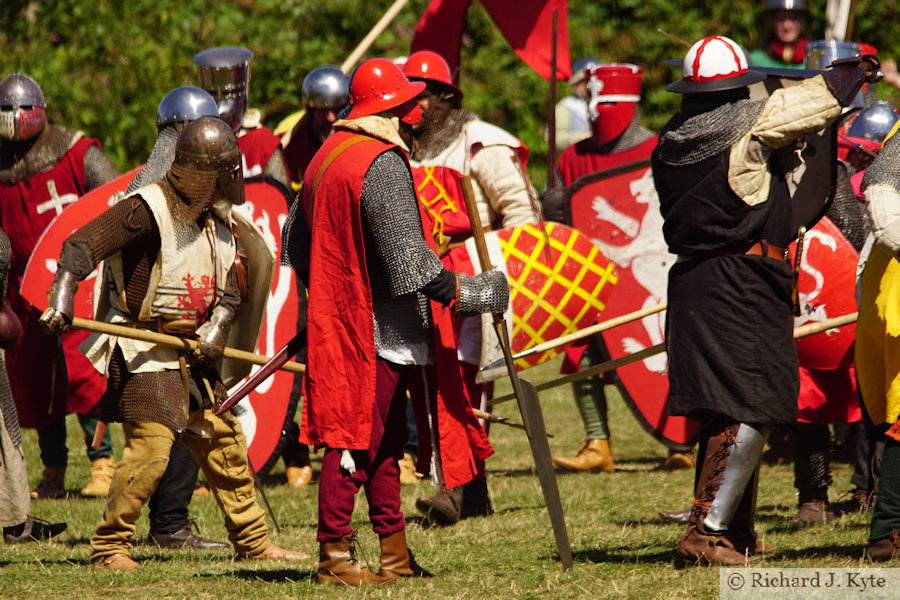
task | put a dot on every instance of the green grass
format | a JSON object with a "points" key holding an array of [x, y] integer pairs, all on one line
{"points": [[622, 549]]}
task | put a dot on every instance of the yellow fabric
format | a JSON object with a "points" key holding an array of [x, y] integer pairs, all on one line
{"points": [[877, 350], [223, 459]]}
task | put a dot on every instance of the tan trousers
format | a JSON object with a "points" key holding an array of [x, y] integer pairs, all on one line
{"points": [[223, 459]]}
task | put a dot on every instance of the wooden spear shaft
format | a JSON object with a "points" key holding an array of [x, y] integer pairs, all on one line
{"points": [[380, 26], [172, 341], [611, 365]]}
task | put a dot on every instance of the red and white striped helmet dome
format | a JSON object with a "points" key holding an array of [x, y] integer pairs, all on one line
{"points": [[714, 64]]}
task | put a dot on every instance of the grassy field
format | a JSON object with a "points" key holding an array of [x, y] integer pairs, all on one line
{"points": [[622, 548]]}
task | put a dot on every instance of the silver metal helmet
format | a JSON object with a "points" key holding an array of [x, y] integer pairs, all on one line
{"points": [[580, 68], [874, 121], [185, 103], [225, 73], [326, 87], [22, 114], [798, 5], [206, 154]]}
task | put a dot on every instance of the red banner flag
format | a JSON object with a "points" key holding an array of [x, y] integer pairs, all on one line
{"points": [[528, 29]]}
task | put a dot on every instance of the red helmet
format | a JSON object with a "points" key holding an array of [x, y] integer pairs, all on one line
{"points": [[430, 66], [614, 93], [378, 85]]}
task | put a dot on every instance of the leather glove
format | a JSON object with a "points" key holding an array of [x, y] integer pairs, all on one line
{"points": [[486, 292], [57, 318], [846, 75], [213, 335]]}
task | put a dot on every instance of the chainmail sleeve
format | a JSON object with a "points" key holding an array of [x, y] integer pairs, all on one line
{"points": [[848, 212], [390, 211], [5, 255], [97, 168], [159, 161], [399, 261], [8, 413]]}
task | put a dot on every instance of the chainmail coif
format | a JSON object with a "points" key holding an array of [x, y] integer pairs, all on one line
{"points": [[430, 145], [690, 139], [884, 169], [159, 161]]}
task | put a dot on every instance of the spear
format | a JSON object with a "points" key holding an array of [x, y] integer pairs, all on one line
{"points": [[525, 394], [172, 341]]}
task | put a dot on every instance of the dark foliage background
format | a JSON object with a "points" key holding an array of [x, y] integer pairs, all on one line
{"points": [[104, 65]]}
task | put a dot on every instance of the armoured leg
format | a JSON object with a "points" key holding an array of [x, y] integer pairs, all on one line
{"points": [[742, 462], [812, 474], [223, 458], [144, 460]]}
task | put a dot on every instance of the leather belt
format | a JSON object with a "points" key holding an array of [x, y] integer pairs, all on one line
{"points": [[764, 248]]}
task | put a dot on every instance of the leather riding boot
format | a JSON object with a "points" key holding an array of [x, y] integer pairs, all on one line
{"points": [[397, 559], [52, 484], [593, 456], [102, 470], [443, 507], [338, 564], [697, 544]]}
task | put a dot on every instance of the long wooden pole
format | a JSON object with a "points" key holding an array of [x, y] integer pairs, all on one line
{"points": [[172, 341], [551, 118], [380, 26], [611, 365]]}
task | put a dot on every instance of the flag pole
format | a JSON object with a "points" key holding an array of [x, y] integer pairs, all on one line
{"points": [[551, 120]]}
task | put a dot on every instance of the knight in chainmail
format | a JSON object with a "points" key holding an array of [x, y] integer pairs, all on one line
{"points": [[15, 498], [451, 141], [732, 359], [170, 526], [371, 276], [876, 354], [170, 267], [43, 169]]}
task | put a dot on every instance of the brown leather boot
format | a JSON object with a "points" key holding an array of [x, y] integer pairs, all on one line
{"points": [[397, 560], [52, 484], [338, 564], [741, 532], [885, 549], [102, 470], [593, 456], [117, 561], [700, 546], [443, 507], [299, 476]]}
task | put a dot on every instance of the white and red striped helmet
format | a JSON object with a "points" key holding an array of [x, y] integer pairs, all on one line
{"points": [[714, 64]]}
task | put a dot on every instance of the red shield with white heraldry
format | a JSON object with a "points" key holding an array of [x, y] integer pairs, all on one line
{"points": [[41, 267], [268, 409], [827, 289], [618, 209]]}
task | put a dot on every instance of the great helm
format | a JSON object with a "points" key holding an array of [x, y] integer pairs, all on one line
{"points": [[225, 73], [873, 122], [326, 87], [614, 92], [184, 104], [22, 114], [378, 85], [207, 153], [426, 66], [714, 64]]}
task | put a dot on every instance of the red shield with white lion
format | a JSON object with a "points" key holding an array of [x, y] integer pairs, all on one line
{"points": [[618, 208]]}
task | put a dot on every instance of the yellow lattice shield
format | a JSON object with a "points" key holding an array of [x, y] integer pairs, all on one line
{"points": [[559, 282]]}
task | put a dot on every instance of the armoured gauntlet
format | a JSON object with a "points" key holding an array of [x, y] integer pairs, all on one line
{"points": [[213, 335], [57, 318], [846, 76], [486, 292]]}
